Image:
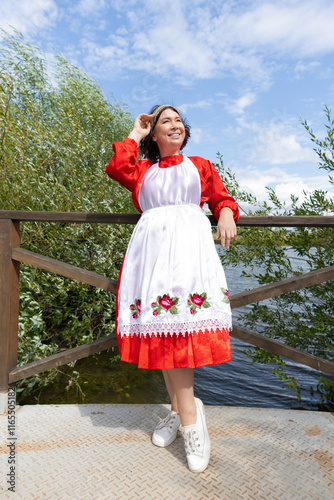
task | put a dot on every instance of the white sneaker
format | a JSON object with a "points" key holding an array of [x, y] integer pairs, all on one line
{"points": [[197, 441], [166, 430]]}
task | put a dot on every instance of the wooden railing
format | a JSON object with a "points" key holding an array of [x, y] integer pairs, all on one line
{"points": [[11, 255]]}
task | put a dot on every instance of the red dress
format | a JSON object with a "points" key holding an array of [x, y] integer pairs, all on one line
{"points": [[172, 306]]}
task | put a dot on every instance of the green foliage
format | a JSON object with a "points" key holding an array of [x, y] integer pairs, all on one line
{"points": [[325, 147], [56, 132], [326, 388], [261, 356], [302, 319]]}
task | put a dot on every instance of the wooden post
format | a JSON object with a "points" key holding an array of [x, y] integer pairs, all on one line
{"points": [[9, 303]]}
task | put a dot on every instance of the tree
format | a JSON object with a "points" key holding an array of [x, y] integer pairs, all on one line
{"points": [[56, 131], [302, 319]]}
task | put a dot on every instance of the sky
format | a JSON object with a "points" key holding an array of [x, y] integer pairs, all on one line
{"points": [[243, 73]]}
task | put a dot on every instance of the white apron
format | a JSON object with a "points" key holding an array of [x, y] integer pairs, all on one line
{"points": [[172, 279]]}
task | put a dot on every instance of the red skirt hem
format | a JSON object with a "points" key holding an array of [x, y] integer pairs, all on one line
{"points": [[211, 347]]}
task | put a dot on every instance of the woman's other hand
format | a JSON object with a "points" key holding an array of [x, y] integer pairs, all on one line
{"points": [[141, 127], [226, 227]]}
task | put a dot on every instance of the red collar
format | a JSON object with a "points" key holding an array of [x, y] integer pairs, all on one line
{"points": [[170, 161]]}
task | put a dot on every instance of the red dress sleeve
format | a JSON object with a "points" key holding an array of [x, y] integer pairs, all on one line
{"points": [[213, 190], [123, 166], [125, 169]]}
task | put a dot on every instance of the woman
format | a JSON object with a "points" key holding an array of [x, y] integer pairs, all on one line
{"points": [[173, 310]]}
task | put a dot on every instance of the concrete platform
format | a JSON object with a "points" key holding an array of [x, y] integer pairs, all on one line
{"points": [[104, 451]]}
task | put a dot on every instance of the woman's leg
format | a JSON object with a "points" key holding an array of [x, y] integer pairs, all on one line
{"points": [[180, 387], [170, 390]]}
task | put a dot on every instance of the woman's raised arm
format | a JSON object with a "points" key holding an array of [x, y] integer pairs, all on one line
{"points": [[141, 127]]}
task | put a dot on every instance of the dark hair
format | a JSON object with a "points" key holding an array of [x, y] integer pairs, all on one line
{"points": [[149, 148]]}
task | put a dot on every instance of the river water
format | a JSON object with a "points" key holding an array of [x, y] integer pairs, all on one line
{"points": [[237, 383], [243, 383]]}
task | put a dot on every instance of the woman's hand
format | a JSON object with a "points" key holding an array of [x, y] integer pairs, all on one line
{"points": [[226, 227], [141, 127]]}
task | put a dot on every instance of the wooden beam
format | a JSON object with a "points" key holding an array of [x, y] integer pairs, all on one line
{"points": [[280, 287], [9, 300], [276, 347], [75, 217], [282, 221], [110, 218], [62, 358], [238, 332], [58, 267]]}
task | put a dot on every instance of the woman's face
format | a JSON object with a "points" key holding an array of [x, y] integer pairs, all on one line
{"points": [[169, 133]]}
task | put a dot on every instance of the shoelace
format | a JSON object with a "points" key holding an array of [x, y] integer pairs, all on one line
{"points": [[191, 442], [167, 421]]}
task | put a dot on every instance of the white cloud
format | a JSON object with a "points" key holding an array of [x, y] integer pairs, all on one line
{"points": [[274, 148], [210, 39], [301, 27], [303, 67], [238, 106], [196, 135], [285, 184], [276, 142], [173, 44], [27, 15], [88, 7], [203, 104], [237, 37]]}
